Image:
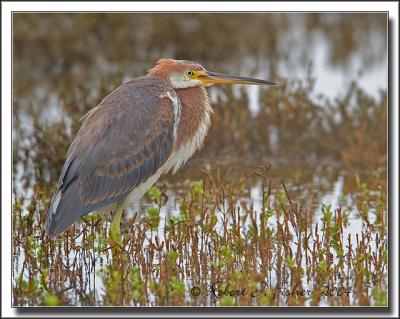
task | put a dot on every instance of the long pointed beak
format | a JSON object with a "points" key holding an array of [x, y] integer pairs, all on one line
{"points": [[210, 78]]}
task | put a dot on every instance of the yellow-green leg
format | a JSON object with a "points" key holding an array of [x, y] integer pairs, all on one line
{"points": [[115, 232], [118, 254]]}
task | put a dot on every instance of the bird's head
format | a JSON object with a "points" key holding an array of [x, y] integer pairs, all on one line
{"points": [[183, 74]]}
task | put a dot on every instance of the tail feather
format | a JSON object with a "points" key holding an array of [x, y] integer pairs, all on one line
{"points": [[65, 209], [51, 213]]}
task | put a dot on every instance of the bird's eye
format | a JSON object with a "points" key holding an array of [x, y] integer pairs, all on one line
{"points": [[189, 73]]}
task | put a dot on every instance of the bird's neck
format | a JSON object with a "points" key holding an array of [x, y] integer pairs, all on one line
{"points": [[195, 117]]}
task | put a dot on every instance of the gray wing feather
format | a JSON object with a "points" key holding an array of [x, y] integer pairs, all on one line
{"points": [[120, 144]]}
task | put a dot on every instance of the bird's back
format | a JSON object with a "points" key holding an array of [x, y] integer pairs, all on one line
{"points": [[121, 143]]}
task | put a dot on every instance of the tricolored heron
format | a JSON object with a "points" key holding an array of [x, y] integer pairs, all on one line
{"points": [[143, 129]]}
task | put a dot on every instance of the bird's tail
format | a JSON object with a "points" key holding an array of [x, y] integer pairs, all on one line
{"points": [[65, 208], [51, 213]]}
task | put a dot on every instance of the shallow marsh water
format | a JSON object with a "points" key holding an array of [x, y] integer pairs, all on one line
{"points": [[212, 226]]}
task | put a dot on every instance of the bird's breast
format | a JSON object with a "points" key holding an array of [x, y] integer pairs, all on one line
{"points": [[194, 122]]}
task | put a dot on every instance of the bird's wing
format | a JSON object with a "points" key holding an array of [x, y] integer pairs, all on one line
{"points": [[121, 143]]}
